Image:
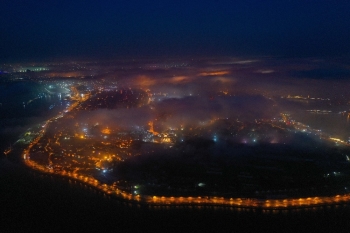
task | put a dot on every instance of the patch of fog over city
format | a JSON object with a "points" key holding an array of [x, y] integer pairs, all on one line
{"points": [[243, 89], [195, 91]]}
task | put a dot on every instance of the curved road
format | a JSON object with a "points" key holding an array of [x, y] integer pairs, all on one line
{"points": [[188, 200]]}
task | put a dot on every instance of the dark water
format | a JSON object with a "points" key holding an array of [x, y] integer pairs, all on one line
{"points": [[32, 202], [24, 104]]}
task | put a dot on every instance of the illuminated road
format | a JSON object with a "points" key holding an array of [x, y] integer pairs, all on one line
{"points": [[185, 200], [26, 155], [200, 200]]}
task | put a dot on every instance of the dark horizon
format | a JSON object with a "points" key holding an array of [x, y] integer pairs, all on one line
{"points": [[39, 30]]}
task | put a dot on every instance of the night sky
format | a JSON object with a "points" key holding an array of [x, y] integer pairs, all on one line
{"points": [[40, 29]]}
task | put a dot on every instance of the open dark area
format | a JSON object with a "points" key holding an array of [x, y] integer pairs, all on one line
{"points": [[199, 167]]}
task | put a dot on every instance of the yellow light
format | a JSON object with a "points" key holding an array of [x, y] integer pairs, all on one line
{"points": [[214, 73], [106, 131]]}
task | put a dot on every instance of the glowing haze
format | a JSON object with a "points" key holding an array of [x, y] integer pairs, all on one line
{"points": [[196, 92]]}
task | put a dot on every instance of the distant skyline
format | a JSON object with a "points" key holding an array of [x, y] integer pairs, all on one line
{"points": [[37, 30]]}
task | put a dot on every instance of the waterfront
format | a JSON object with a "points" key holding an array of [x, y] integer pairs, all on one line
{"points": [[242, 203], [66, 166], [33, 201], [24, 104]]}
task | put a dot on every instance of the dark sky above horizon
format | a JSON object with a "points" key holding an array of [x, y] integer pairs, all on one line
{"points": [[105, 29]]}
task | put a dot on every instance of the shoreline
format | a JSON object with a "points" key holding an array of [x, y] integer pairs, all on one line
{"points": [[154, 200], [198, 201]]}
